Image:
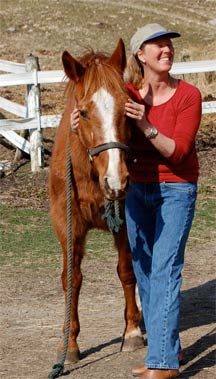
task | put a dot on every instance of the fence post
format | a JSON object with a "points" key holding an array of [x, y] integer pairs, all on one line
{"points": [[34, 110]]}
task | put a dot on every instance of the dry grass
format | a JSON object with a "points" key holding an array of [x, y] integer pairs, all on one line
{"points": [[47, 28]]}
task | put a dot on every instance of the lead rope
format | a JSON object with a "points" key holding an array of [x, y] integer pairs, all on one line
{"points": [[112, 215], [58, 368]]}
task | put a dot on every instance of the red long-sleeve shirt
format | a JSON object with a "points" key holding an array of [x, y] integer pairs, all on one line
{"points": [[179, 119]]}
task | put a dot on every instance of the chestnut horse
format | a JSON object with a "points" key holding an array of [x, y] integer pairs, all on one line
{"points": [[97, 89]]}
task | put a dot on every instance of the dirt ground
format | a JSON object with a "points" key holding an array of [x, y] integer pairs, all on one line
{"points": [[32, 313], [32, 302]]}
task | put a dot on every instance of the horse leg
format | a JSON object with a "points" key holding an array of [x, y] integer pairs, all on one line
{"points": [[132, 337], [73, 353]]}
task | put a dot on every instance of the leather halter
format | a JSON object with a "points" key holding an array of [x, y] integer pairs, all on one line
{"points": [[106, 146]]}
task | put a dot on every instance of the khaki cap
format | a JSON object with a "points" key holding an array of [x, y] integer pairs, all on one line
{"points": [[149, 32]]}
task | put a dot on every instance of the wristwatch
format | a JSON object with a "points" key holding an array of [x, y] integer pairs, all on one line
{"points": [[153, 133]]}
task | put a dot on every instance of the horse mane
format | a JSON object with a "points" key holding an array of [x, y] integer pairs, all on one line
{"points": [[99, 73]]}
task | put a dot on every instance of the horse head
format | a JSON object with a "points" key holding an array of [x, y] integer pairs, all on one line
{"points": [[99, 93]]}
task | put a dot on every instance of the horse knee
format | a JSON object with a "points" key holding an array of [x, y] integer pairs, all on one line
{"points": [[76, 280]]}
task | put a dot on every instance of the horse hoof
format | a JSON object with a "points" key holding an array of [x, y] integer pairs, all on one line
{"points": [[132, 343], [71, 357]]}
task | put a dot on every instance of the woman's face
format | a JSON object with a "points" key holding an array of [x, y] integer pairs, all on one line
{"points": [[158, 55]]}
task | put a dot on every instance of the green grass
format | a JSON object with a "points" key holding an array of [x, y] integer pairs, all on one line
{"points": [[203, 229], [27, 236]]}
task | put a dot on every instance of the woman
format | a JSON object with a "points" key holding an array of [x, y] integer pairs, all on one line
{"points": [[160, 204]]}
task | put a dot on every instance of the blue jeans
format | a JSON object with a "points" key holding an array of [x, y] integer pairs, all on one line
{"points": [[159, 218]]}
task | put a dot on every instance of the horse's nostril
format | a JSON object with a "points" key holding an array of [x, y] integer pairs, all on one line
{"points": [[112, 187], [106, 183], [127, 183]]}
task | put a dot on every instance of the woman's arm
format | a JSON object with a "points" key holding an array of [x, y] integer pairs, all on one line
{"points": [[187, 124], [163, 144]]}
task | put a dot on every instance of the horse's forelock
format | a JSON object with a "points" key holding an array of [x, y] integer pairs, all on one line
{"points": [[99, 73]]}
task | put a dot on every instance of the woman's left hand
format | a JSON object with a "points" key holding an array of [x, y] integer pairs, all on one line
{"points": [[135, 110]]}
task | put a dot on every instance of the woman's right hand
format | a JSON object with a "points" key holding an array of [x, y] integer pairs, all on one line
{"points": [[74, 120]]}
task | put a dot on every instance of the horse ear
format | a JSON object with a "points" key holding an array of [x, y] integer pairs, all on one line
{"points": [[73, 69], [118, 58]]}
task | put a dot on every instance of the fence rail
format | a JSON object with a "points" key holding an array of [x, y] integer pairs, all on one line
{"points": [[55, 76], [29, 75]]}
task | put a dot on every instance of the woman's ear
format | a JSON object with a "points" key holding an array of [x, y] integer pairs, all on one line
{"points": [[140, 55]]}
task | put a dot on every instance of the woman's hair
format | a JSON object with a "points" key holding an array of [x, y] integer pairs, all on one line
{"points": [[134, 72]]}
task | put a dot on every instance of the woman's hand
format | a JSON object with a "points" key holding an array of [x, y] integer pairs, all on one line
{"points": [[74, 120], [135, 110]]}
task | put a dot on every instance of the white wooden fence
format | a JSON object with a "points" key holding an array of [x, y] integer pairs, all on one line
{"points": [[28, 74]]}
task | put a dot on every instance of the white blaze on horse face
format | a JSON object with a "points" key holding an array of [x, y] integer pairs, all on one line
{"points": [[104, 102]]}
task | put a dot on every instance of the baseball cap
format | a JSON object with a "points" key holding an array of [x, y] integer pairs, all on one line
{"points": [[149, 32]]}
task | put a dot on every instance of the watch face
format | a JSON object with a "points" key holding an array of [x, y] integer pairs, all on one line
{"points": [[153, 133]]}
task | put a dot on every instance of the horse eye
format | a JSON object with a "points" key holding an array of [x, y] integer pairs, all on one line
{"points": [[84, 114]]}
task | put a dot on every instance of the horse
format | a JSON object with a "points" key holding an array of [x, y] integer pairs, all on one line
{"points": [[99, 174]]}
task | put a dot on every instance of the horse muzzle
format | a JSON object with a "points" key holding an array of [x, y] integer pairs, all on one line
{"points": [[112, 192]]}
